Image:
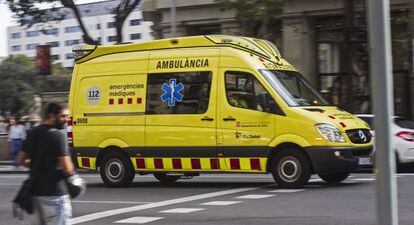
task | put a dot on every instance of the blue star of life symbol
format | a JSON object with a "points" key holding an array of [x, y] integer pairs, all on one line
{"points": [[172, 92]]}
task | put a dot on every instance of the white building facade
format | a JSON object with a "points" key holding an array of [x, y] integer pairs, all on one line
{"points": [[63, 35]]}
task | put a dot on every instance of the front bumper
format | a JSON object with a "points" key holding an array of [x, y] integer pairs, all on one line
{"points": [[324, 160]]}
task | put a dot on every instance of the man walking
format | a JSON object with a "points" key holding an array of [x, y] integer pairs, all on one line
{"points": [[46, 151], [16, 136]]}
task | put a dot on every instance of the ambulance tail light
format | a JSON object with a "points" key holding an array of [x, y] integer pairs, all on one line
{"points": [[69, 133], [80, 51]]}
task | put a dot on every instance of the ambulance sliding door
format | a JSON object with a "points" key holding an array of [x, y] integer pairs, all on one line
{"points": [[181, 109]]}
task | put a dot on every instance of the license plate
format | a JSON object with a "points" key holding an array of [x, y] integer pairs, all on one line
{"points": [[364, 161]]}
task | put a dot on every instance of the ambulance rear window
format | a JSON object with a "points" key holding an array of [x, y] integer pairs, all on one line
{"points": [[178, 93]]}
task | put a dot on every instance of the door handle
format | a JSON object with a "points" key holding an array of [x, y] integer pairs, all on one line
{"points": [[206, 118], [230, 118]]}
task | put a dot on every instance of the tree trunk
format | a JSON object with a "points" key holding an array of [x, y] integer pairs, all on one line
{"points": [[122, 12], [119, 24], [87, 39]]}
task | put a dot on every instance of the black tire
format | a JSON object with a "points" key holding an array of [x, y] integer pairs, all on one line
{"points": [[167, 179], [291, 169], [116, 170], [334, 177]]}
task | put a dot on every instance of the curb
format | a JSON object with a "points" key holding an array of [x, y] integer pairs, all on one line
{"points": [[27, 172], [6, 163]]}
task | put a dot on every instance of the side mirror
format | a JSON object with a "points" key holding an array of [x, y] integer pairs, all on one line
{"points": [[268, 104]]}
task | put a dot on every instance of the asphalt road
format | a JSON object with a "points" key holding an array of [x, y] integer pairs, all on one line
{"points": [[224, 199]]}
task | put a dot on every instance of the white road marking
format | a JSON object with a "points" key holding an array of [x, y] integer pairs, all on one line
{"points": [[108, 213], [315, 180], [181, 210], [139, 220], [111, 202], [350, 181], [220, 203], [254, 196], [364, 179], [286, 190]]}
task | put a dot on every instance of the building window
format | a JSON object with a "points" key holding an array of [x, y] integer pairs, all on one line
{"points": [[31, 46], [51, 31], [99, 40], [16, 48], [54, 57], [71, 42], [98, 26], [135, 36], [72, 29], [110, 25], [69, 55], [111, 38], [53, 44], [135, 22], [192, 90], [15, 35], [32, 33]]}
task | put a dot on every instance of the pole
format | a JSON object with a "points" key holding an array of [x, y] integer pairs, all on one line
{"points": [[173, 18], [348, 47], [381, 77]]}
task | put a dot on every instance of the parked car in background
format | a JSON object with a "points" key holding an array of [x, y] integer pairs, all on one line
{"points": [[402, 141]]}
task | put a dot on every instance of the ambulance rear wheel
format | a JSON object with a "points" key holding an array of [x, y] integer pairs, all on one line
{"points": [[116, 170], [334, 178], [291, 169], [167, 179]]}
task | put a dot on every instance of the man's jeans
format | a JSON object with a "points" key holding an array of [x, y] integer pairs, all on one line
{"points": [[15, 145], [51, 210]]}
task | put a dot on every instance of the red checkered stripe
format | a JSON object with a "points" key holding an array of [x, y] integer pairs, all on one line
{"points": [[87, 162], [202, 164], [125, 101]]}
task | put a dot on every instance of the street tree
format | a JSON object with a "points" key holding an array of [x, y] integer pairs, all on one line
{"points": [[19, 83], [256, 18], [28, 13]]}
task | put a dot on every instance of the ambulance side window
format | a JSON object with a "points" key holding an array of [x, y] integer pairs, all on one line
{"points": [[178, 93], [243, 90]]}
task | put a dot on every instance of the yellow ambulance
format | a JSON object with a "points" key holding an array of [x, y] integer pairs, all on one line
{"points": [[179, 107]]}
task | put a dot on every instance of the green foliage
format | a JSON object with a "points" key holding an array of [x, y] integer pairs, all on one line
{"points": [[19, 83], [256, 18], [28, 13]]}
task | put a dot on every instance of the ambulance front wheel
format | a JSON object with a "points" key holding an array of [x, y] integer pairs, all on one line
{"points": [[291, 169], [116, 170], [164, 178]]}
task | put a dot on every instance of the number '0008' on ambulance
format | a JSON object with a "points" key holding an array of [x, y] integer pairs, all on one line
{"points": [[179, 107]]}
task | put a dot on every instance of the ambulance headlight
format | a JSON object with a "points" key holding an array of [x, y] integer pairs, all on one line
{"points": [[330, 132]]}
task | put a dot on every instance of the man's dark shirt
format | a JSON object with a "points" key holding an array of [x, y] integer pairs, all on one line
{"points": [[47, 179]]}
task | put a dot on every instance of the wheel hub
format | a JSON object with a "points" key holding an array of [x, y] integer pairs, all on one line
{"points": [[114, 170], [289, 169]]}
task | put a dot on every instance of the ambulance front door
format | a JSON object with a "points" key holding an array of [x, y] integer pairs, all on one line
{"points": [[245, 125]]}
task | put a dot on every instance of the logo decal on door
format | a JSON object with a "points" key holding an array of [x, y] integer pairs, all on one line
{"points": [[172, 92]]}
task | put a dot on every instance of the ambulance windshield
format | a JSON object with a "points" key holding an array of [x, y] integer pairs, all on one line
{"points": [[293, 88]]}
